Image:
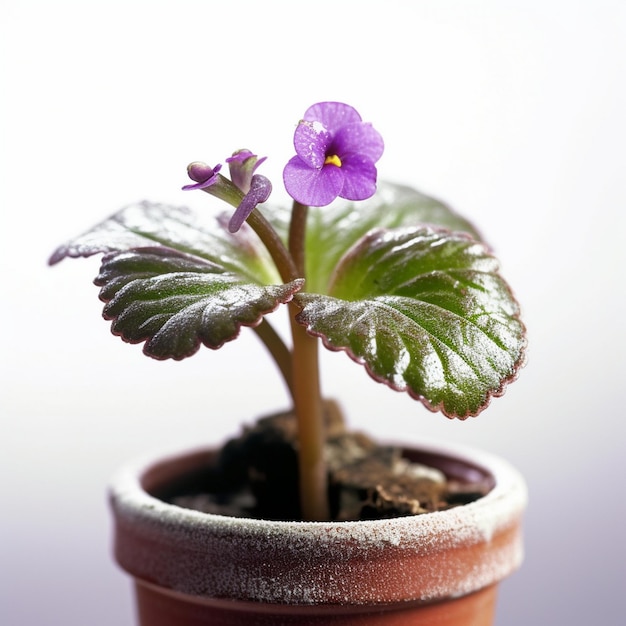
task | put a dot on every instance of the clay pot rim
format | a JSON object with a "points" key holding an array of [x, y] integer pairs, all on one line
{"points": [[294, 562], [497, 509]]}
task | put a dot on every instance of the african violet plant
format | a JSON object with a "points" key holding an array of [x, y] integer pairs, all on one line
{"points": [[398, 281]]}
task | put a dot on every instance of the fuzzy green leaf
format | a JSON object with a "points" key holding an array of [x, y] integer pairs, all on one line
{"points": [[175, 302], [425, 311], [333, 230], [201, 234]]}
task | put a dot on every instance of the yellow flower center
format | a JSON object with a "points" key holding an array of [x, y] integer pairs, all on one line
{"points": [[332, 159]]}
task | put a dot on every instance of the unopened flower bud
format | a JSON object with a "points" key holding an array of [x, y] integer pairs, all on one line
{"points": [[200, 172]]}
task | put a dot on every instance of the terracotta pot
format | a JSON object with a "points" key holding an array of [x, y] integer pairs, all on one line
{"points": [[194, 569]]}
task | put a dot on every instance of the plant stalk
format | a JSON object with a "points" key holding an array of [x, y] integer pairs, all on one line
{"points": [[279, 351], [297, 237], [307, 393], [311, 428], [283, 260], [304, 382]]}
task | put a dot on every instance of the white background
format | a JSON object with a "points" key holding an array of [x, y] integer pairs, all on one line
{"points": [[512, 111]]}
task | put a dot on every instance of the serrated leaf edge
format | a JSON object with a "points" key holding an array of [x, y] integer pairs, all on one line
{"points": [[495, 393], [290, 289]]}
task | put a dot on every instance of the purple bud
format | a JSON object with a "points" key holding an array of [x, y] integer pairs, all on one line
{"points": [[202, 174], [242, 165]]}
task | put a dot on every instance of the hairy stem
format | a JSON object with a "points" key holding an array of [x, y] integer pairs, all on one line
{"points": [[311, 431], [287, 269], [279, 351], [307, 394], [304, 382], [297, 235]]}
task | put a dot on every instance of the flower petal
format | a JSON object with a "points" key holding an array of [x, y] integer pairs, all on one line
{"points": [[359, 177], [260, 189], [310, 186], [242, 165], [359, 138], [333, 115], [310, 141]]}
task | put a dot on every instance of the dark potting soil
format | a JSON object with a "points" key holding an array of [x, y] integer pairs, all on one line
{"points": [[256, 475]]}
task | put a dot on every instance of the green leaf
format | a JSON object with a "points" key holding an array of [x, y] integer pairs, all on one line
{"points": [[425, 311], [332, 230], [175, 302], [201, 234]]}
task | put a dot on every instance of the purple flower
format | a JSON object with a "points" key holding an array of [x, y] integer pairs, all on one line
{"points": [[242, 166], [336, 154], [244, 192]]}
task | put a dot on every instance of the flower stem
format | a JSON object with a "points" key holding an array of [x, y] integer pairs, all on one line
{"points": [[278, 350], [311, 431], [287, 269], [304, 382], [297, 234], [307, 394]]}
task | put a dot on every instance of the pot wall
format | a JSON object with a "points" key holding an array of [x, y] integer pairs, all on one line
{"points": [[440, 568], [160, 607]]}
